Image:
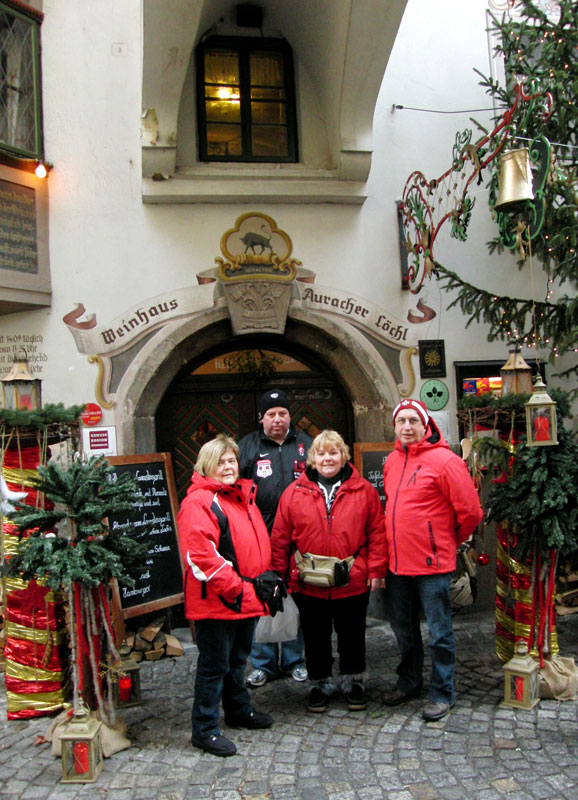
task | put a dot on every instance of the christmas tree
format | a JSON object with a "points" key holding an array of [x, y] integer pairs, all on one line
{"points": [[540, 50], [68, 539]]}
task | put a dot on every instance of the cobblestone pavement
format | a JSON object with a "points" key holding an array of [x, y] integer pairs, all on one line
{"points": [[481, 750]]}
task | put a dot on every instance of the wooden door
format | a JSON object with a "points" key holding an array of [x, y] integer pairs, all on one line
{"points": [[197, 407]]}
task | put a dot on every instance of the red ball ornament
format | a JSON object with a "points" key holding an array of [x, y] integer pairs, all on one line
{"points": [[483, 559]]}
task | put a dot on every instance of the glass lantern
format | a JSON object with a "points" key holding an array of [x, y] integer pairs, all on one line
{"points": [[541, 422], [20, 391], [126, 690], [82, 756], [516, 374], [521, 679]]}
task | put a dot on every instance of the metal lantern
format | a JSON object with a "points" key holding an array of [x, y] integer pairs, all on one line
{"points": [[521, 679], [516, 374], [541, 422], [82, 756], [20, 391], [126, 690], [514, 179]]}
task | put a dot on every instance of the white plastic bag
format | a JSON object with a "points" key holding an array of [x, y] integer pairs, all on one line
{"points": [[283, 627]]}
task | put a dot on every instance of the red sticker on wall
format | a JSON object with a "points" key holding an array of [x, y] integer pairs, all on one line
{"points": [[92, 414]]}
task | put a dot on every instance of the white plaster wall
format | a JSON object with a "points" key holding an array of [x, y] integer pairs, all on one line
{"points": [[111, 252]]}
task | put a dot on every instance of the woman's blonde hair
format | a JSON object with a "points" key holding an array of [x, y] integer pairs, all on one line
{"points": [[326, 439], [211, 452]]}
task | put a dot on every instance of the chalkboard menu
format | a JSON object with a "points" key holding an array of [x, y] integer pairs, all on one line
{"points": [[18, 248], [369, 458], [161, 583]]}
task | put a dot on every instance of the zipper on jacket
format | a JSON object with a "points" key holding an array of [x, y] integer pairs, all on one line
{"points": [[434, 547], [413, 477], [395, 506]]}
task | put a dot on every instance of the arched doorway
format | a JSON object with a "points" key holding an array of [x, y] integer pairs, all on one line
{"points": [[369, 385], [219, 392]]}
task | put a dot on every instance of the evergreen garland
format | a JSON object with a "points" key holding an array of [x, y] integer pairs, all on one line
{"points": [[72, 542], [539, 501], [50, 414], [542, 51]]}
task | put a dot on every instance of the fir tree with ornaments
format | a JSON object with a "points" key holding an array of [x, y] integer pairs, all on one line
{"points": [[539, 48]]}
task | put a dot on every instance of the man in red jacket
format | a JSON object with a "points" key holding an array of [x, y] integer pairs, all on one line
{"points": [[431, 507]]}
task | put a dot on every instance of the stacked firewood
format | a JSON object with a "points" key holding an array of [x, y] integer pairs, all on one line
{"points": [[567, 594], [150, 642]]}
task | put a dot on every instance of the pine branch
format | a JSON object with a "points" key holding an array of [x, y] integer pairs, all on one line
{"points": [[540, 499], [85, 551]]}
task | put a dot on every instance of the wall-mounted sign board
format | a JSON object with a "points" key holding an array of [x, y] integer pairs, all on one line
{"points": [[369, 458]]}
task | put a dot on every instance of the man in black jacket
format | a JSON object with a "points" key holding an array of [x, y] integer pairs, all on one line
{"points": [[274, 456]]}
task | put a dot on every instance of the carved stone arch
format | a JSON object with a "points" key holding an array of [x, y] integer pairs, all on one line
{"points": [[366, 379]]}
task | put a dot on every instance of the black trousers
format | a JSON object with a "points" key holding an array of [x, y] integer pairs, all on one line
{"points": [[318, 618], [224, 646]]}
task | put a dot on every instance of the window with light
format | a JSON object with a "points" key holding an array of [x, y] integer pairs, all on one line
{"points": [[246, 100], [20, 97]]}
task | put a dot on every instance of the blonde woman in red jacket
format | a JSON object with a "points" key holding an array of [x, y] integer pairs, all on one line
{"points": [[223, 539], [330, 510], [431, 507]]}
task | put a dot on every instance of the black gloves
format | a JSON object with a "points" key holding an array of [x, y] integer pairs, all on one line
{"points": [[271, 590]]}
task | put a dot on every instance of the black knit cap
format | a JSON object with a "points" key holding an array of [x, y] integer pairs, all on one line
{"points": [[274, 398]]}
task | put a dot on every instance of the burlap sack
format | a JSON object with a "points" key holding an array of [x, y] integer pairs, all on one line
{"points": [[558, 679]]}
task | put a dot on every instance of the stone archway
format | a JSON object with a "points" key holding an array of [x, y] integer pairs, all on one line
{"points": [[367, 380]]}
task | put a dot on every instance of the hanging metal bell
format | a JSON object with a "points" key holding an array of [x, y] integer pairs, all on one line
{"points": [[514, 179]]}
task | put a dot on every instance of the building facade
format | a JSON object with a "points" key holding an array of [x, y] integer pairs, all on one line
{"points": [[223, 183]]}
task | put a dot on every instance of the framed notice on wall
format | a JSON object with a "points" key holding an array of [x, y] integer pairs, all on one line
{"points": [[161, 583], [18, 247]]}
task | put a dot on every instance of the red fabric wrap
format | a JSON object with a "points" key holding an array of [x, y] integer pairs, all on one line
{"points": [[32, 654]]}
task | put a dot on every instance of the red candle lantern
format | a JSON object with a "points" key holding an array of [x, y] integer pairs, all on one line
{"points": [[521, 679], [541, 422], [82, 756], [126, 690]]}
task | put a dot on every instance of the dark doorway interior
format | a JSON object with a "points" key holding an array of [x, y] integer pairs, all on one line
{"points": [[220, 393]]}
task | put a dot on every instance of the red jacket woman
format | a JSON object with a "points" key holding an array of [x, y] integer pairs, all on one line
{"points": [[222, 536], [330, 510], [354, 525]]}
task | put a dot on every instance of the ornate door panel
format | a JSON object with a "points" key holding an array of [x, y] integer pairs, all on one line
{"points": [[194, 410], [186, 421]]}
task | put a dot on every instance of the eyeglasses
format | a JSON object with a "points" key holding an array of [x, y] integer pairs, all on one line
{"points": [[413, 421]]}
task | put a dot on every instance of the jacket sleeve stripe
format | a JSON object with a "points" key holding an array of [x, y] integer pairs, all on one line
{"points": [[198, 572]]}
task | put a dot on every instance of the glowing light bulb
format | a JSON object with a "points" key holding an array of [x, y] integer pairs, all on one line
{"points": [[40, 171]]}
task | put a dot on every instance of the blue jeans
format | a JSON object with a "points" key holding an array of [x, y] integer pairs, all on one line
{"points": [[405, 595], [224, 646], [272, 657]]}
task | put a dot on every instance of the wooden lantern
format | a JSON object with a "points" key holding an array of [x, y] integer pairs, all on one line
{"points": [[82, 757], [521, 679], [126, 690], [541, 422], [20, 391], [516, 374]]}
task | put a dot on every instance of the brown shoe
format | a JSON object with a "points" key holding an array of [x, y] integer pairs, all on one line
{"points": [[435, 711], [397, 696]]}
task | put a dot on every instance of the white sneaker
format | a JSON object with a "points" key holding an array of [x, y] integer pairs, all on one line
{"points": [[299, 673], [257, 678]]}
